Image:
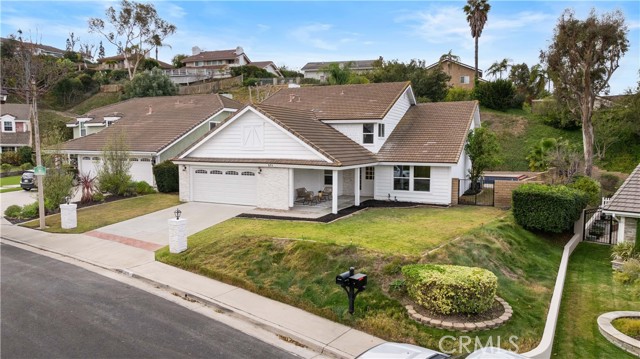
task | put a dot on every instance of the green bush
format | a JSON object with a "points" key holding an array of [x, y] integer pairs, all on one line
{"points": [[143, 188], [117, 75], [13, 211], [166, 175], [30, 211], [130, 190], [556, 115], [547, 208], [449, 289], [11, 158], [5, 168], [625, 251], [98, 197], [459, 94], [499, 95], [630, 273], [249, 82], [628, 326], [26, 166], [609, 182], [58, 184], [25, 155], [589, 186], [150, 83]]}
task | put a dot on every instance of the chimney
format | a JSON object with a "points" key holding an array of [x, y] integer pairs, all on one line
{"points": [[150, 110], [239, 50], [195, 51]]}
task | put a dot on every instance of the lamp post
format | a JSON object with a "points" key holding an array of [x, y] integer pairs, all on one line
{"points": [[177, 212], [177, 233]]}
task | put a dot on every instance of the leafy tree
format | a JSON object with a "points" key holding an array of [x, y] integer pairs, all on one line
{"points": [[498, 95], [113, 175], [476, 11], [149, 84], [558, 153], [482, 148], [499, 67], [286, 72], [177, 60], [138, 29], [58, 183], [101, 51], [339, 74], [520, 75], [428, 85], [250, 71], [581, 60], [25, 153], [148, 64]]}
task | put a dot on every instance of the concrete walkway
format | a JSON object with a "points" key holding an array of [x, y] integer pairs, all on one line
{"points": [[318, 334]]}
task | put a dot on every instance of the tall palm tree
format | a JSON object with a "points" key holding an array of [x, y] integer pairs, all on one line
{"points": [[537, 79], [476, 11]]}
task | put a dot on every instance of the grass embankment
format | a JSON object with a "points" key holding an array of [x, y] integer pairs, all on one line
{"points": [[590, 291], [278, 259], [98, 100], [101, 215]]}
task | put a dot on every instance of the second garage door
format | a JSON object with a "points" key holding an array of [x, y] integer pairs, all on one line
{"points": [[225, 185]]}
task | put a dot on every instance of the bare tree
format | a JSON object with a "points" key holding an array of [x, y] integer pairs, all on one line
{"points": [[137, 29]]}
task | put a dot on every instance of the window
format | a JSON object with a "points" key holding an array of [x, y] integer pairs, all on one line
{"points": [[212, 125], [328, 177], [216, 172], [248, 174], [401, 176], [422, 178], [133, 160], [86, 158], [96, 158], [145, 160], [83, 129], [232, 173], [201, 171], [7, 126], [367, 133], [381, 130], [464, 79], [368, 173]]}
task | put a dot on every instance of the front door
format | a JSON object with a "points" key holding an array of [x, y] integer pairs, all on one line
{"points": [[367, 176]]}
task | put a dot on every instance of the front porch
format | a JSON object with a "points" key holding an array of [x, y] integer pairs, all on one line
{"points": [[310, 211]]}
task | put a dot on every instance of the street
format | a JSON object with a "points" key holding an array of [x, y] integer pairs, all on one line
{"points": [[53, 309]]}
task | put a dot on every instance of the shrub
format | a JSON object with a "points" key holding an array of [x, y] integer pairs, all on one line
{"points": [[11, 158], [166, 175], [459, 94], [5, 168], [58, 184], [25, 155], [249, 82], [625, 251], [13, 211], [309, 81], [609, 182], [628, 326], [150, 83], [448, 289], [130, 189], [117, 75], [88, 186], [498, 95], [98, 197], [143, 188], [556, 115], [30, 211], [589, 186], [547, 208], [630, 273], [26, 166]]}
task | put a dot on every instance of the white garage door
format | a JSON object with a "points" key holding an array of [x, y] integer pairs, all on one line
{"points": [[225, 185], [141, 169], [89, 165]]}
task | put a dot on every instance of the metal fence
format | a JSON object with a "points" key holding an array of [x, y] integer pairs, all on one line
{"points": [[480, 193], [599, 227]]}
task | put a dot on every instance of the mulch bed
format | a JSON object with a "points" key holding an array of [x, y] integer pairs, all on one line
{"points": [[341, 213]]}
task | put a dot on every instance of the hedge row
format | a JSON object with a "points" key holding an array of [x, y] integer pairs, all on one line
{"points": [[548, 208], [449, 289], [166, 174]]}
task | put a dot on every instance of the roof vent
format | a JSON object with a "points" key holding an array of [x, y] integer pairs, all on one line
{"points": [[342, 92], [150, 110]]}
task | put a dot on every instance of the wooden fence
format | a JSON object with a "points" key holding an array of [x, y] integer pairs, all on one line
{"points": [[211, 87]]}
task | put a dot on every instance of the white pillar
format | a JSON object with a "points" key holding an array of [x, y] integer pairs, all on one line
{"points": [[621, 223], [356, 186], [177, 235], [292, 190], [334, 192], [68, 216]]}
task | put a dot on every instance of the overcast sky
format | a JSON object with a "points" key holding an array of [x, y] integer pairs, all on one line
{"points": [[293, 33]]}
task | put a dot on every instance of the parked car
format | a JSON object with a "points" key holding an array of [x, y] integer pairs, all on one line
{"points": [[28, 180], [494, 353], [401, 351]]}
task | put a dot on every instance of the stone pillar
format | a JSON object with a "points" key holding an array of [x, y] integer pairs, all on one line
{"points": [[177, 235], [454, 191], [69, 215], [630, 228]]}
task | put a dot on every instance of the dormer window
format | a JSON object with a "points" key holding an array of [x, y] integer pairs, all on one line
{"points": [[83, 129], [8, 126], [367, 133]]}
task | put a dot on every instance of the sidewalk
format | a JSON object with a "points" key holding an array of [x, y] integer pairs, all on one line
{"points": [[319, 334]]}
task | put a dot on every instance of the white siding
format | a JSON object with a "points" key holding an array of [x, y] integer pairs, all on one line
{"points": [[351, 130], [312, 180], [392, 118], [275, 142], [440, 187], [461, 169]]}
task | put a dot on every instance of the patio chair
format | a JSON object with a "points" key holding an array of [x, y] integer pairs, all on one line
{"points": [[300, 194], [310, 198], [327, 193]]}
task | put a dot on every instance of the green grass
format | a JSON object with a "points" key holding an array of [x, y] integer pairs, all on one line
{"points": [[255, 254], [5, 181], [105, 214], [98, 100], [589, 291], [5, 190]]}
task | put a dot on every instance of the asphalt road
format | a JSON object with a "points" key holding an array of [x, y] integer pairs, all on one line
{"points": [[51, 309]]}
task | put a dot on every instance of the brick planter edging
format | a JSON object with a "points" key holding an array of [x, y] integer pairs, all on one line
{"points": [[616, 337], [463, 327]]}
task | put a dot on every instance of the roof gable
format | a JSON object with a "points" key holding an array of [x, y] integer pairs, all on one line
{"points": [[627, 197]]}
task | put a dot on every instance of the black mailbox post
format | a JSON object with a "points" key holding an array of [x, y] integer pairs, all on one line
{"points": [[352, 283]]}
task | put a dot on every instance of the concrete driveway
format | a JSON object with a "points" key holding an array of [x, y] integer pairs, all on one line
{"points": [[19, 198], [153, 227]]}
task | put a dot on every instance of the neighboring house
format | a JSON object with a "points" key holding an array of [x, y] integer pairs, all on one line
{"points": [[16, 131], [156, 129], [216, 64], [315, 70], [461, 74], [267, 65], [371, 141], [625, 206], [118, 63], [39, 49]]}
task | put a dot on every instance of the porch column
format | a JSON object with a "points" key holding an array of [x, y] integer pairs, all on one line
{"points": [[356, 186], [621, 223], [292, 194], [334, 192]]}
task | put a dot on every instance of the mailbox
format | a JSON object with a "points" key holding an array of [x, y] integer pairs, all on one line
{"points": [[359, 280], [343, 278], [352, 283]]}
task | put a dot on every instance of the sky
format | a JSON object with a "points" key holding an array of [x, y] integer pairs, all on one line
{"points": [[293, 33]]}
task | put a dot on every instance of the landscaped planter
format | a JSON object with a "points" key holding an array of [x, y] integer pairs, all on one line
{"points": [[616, 337], [616, 264]]}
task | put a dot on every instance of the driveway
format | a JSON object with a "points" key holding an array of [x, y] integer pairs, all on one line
{"points": [[153, 227], [19, 198]]}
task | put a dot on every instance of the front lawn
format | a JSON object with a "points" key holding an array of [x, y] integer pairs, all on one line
{"points": [[6, 181], [101, 215], [296, 263], [589, 291]]}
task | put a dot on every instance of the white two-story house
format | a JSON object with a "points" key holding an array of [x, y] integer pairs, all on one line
{"points": [[365, 141], [16, 130]]}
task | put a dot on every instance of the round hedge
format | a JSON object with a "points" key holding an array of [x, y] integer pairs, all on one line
{"points": [[449, 289]]}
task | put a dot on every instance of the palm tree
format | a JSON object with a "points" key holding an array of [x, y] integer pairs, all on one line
{"points": [[537, 79], [476, 11], [156, 41], [499, 67], [450, 57]]}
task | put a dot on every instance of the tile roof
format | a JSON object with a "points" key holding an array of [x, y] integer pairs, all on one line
{"points": [[262, 64], [627, 197], [341, 102], [19, 110], [213, 55], [355, 65], [15, 138], [430, 132], [170, 118]]}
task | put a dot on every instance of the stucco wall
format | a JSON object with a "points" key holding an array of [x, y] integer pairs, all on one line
{"points": [[455, 71], [185, 183], [273, 188], [503, 192]]}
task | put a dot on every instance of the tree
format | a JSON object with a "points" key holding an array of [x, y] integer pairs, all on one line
{"points": [[150, 83], [101, 51], [449, 57], [581, 60], [476, 11], [499, 67], [137, 29], [177, 60], [520, 75], [113, 175], [482, 148], [339, 74], [558, 153], [286, 72], [58, 183], [428, 84]]}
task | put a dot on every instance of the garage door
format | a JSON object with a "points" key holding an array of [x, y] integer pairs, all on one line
{"points": [[141, 169], [225, 185], [89, 165]]}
